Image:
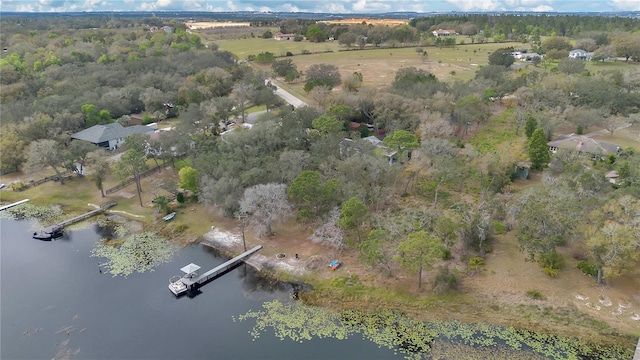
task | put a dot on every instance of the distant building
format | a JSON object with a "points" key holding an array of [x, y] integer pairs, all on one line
{"points": [[580, 54], [110, 136], [281, 36], [441, 32]]}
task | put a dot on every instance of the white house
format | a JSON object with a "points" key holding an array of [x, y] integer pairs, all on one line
{"points": [[580, 54], [110, 136], [441, 32]]}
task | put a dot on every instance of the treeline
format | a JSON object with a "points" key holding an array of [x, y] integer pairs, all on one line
{"points": [[513, 26]]}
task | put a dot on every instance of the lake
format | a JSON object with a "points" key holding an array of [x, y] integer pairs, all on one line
{"points": [[55, 303]]}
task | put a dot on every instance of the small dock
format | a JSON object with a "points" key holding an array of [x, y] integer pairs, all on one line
{"points": [[191, 279], [14, 204], [51, 231]]}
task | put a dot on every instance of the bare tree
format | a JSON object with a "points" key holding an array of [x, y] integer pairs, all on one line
{"points": [[265, 204], [329, 232], [613, 123]]}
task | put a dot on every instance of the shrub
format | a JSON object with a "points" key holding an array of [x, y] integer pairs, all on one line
{"points": [[445, 280], [499, 228], [180, 197], [588, 267], [475, 263], [535, 294], [551, 260], [446, 254], [551, 272], [181, 228]]}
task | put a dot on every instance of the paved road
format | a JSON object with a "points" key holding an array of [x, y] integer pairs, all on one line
{"points": [[286, 96]]}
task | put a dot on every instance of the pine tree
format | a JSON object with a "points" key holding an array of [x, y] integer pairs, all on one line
{"points": [[538, 150], [530, 126]]}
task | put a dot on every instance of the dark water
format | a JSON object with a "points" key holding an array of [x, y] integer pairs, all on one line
{"points": [[55, 303]]}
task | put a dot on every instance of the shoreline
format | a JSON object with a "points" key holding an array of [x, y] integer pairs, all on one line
{"points": [[229, 243]]}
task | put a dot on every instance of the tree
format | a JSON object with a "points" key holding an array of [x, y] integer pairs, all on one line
{"points": [[99, 166], [613, 237], [75, 156], [352, 214], [93, 116], [188, 178], [315, 34], [131, 164], [242, 92], [571, 66], [530, 126], [265, 204], [43, 153], [347, 39], [502, 57], [282, 67], [538, 150], [403, 141], [373, 252], [12, 148], [322, 74], [420, 250], [546, 216], [628, 46], [613, 123], [556, 43], [328, 124], [309, 189]]}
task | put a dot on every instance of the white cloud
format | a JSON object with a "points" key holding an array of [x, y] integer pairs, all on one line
{"points": [[25, 8], [332, 7], [290, 8], [364, 6], [163, 3], [484, 5], [265, 9], [630, 5], [542, 8], [231, 6]]}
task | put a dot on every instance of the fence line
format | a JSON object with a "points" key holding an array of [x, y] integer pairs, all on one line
{"points": [[133, 179], [65, 175]]}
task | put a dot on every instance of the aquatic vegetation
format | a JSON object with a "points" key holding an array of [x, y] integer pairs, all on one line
{"points": [[415, 339], [135, 253], [31, 211]]}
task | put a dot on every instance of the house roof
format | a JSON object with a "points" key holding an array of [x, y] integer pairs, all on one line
{"points": [[584, 144], [102, 133]]}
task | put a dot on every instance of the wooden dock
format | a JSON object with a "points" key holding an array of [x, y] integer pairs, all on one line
{"points": [[51, 231], [14, 204], [191, 280]]}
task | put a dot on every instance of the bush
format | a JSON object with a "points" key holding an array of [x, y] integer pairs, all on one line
{"points": [[588, 268], [445, 280], [535, 294], [181, 228], [551, 272], [551, 260], [446, 254], [499, 228], [180, 197], [475, 263]]}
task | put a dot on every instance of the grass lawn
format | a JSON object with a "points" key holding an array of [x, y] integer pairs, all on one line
{"points": [[242, 48], [626, 138]]}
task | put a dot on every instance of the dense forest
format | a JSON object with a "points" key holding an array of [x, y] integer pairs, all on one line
{"points": [[430, 193]]}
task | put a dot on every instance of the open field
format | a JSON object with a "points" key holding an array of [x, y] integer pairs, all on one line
{"points": [[629, 137], [379, 66]]}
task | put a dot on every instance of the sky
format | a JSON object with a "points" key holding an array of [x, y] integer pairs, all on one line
{"points": [[334, 6]]}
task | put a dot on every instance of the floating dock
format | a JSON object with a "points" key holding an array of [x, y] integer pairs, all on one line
{"points": [[52, 231], [191, 279], [14, 204]]}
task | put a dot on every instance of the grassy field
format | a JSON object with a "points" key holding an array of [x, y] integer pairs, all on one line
{"points": [[627, 138]]}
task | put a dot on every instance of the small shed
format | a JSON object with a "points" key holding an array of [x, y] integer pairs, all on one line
{"points": [[522, 169]]}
